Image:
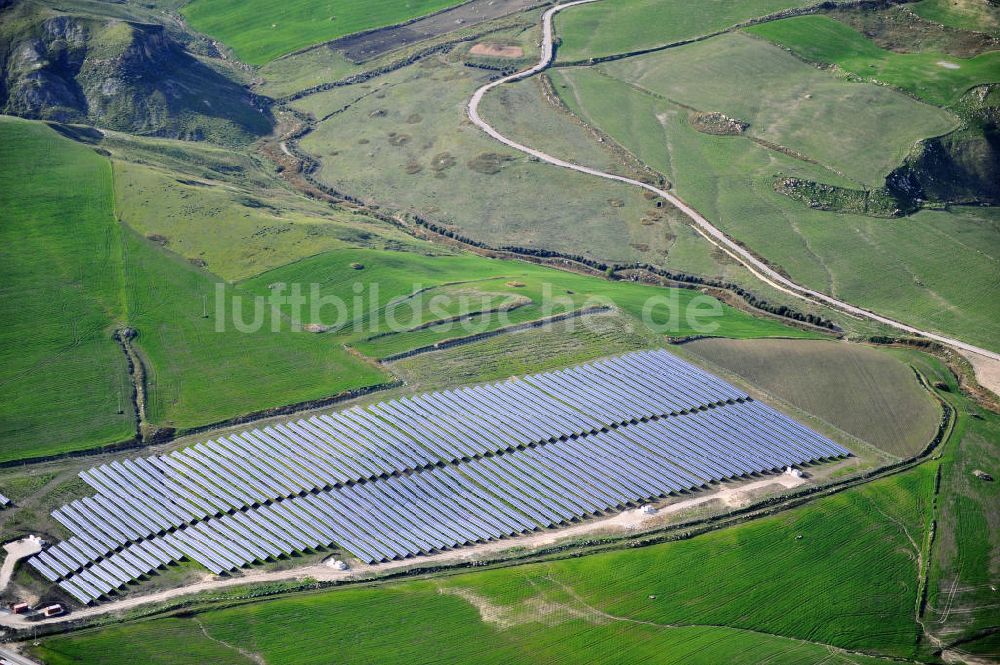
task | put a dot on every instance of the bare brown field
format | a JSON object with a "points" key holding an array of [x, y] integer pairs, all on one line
{"points": [[365, 46], [497, 50], [859, 389]]}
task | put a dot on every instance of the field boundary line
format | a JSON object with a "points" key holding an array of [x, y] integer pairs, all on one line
{"points": [[517, 327], [791, 12]]}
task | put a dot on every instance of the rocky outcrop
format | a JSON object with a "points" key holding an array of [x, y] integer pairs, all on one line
{"points": [[121, 75], [960, 167]]}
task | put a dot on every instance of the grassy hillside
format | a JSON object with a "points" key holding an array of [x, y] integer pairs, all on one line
{"points": [[259, 31], [963, 166], [62, 377], [409, 148], [73, 274], [377, 294], [123, 75], [935, 269], [860, 131], [837, 574], [936, 77], [966, 14], [861, 390], [522, 112], [557, 345], [961, 604], [236, 229], [593, 31], [199, 375], [403, 142], [199, 369]]}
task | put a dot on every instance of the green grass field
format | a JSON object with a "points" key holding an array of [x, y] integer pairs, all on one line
{"points": [[557, 345], [593, 31], [961, 600], [161, 283], [410, 149], [199, 375], [744, 594], [237, 232], [861, 390], [935, 268], [391, 276], [403, 142], [861, 131], [62, 377], [66, 376], [259, 31], [936, 77], [965, 14], [285, 76], [663, 236]]}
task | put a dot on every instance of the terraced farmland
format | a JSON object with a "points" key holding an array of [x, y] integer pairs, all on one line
{"points": [[423, 474]]}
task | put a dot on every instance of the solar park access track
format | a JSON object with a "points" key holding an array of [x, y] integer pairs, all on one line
{"points": [[426, 473]]}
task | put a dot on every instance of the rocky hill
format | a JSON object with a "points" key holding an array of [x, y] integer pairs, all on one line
{"points": [[960, 167], [120, 75]]}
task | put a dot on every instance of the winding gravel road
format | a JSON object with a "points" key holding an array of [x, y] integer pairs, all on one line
{"points": [[760, 269]]}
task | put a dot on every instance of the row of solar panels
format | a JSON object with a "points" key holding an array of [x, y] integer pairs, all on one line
{"points": [[4, 501], [491, 497], [402, 435]]}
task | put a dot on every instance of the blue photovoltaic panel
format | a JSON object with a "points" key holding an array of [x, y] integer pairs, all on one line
{"points": [[421, 474]]}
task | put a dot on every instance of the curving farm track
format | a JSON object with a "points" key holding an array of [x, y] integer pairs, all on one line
{"points": [[712, 233]]}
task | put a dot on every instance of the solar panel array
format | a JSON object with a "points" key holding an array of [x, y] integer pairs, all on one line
{"points": [[426, 473]]}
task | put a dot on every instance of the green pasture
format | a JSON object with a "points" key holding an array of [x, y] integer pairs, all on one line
{"points": [[410, 149], [259, 31], [63, 380], [372, 295], [404, 143], [188, 216], [286, 76], [977, 15], [961, 594], [935, 77], [600, 29], [936, 269], [663, 236], [550, 347], [74, 274], [202, 367], [236, 232], [861, 131]]}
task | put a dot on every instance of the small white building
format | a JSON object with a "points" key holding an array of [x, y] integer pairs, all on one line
{"points": [[647, 509], [337, 564], [793, 472]]}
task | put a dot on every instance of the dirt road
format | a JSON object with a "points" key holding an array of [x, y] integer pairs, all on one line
{"points": [[730, 494], [715, 236], [17, 550]]}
